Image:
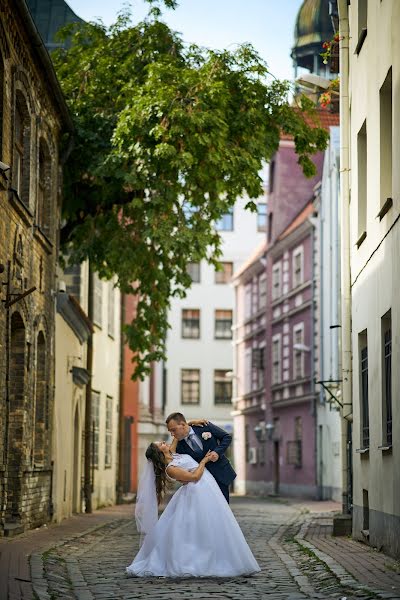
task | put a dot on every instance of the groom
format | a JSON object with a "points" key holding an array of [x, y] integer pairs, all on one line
{"points": [[197, 441]]}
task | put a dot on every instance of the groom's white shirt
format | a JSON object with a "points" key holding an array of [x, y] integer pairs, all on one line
{"points": [[193, 440]]}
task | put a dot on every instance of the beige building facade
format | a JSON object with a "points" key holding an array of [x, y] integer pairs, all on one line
{"points": [[370, 119]]}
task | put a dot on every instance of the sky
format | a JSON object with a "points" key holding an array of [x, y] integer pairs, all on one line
{"points": [[267, 24]]}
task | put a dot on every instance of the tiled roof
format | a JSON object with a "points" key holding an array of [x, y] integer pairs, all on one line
{"points": [[297, 221], [325, 119]]}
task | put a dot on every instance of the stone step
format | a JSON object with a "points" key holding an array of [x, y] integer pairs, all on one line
{"points": [[13, 529]]}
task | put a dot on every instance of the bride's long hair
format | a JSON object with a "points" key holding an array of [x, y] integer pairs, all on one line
{"points": [[154, 454]]}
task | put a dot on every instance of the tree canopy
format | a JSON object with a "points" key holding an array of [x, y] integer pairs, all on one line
{"points": [[168, 136]]}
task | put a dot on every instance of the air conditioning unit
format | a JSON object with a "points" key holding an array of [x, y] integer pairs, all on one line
{"points": [[253, 456]]}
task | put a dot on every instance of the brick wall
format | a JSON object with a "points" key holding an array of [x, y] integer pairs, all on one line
{"points": [[29, 221]]}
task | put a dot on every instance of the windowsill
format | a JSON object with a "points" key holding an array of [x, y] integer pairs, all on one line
{"points": [[223, 339], [362, 450], [385, 208], [386, 448], [361, 40], [20, 206], [361, 239], [187, 337], [43, 239]]}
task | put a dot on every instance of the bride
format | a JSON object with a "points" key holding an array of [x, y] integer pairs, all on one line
{"points": [[197, 535]]}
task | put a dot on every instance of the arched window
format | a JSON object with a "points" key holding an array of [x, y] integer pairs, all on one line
{"points": [[22, 142], [44, 189], [41, 402], [1, 103], [17, 365], [16, 377]]}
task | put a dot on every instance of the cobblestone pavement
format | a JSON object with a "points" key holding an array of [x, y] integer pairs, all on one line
{"points": [[92, 566]]}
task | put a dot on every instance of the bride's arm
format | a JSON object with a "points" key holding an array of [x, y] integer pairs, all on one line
{"points": [[198, 422], [186, 476]]}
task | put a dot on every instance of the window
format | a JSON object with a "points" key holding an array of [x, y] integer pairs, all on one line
{"points": [[362, 23], [22, 141], [258, 365], [247, 442], [108, 445], [97, 300], [222, 387], [261, 217], [271, 177], [41, 402], [225, 223], [386, 129], [190, 323], [190, 385], [364, 404], [276, 281], [111, 309], [298, 353], [193, 270], [387, 379], [225, 275], [95, 428], [247, 301], [362, 182], [262, 291], [44, 190], [297, 267], [223, 324], [270, 224], [294, 449], [276, 359]]}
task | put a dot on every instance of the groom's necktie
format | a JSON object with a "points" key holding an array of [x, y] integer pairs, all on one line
{"points": [[193, 442]]}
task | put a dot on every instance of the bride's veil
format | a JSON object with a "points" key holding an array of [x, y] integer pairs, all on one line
{"points": [[146, 511]]}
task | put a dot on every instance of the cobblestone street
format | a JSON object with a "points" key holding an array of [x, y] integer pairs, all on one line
{"points": [[89, 564]]}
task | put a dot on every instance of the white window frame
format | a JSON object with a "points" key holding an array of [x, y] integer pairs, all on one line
{"points": [[299, 327], [299, 251], [247, 301], [277, 343], [277, 289], [262, 281]]}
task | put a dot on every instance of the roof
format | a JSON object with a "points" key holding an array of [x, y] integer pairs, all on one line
{"points": [[48, 73], [50, 16], [313, 23], [254, 257], [324, 119], [298, 220]]}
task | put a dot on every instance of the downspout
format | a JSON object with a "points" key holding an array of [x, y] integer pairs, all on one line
{"points": [[347, 411], [121, 414], [88, 407]]}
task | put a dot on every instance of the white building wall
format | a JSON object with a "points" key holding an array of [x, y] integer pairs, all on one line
{"points": [[328, 414], [106, 376], [375, 276], [207, 353]]}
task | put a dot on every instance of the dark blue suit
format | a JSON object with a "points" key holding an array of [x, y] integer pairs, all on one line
{"points": [[219, 441]]}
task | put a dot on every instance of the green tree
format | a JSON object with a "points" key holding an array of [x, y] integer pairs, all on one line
{"points": [[168, 135]]}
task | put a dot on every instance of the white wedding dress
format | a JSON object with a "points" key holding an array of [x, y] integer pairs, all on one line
{"points": [[197, 535]]}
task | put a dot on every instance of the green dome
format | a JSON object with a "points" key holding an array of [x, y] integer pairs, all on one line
{"points": [[313, 27]]}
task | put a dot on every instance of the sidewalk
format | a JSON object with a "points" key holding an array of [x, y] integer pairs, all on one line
{"points": [[343, 555], [16, 576]]}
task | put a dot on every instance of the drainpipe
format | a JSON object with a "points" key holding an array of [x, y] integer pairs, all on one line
{"points": [[88, 406], [347, 411]]}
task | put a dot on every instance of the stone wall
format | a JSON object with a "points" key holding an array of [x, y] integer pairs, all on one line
{"points": [[29, 223]]}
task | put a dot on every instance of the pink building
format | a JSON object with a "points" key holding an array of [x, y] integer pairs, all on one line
{"points": [[249, 380], [275, 437]]}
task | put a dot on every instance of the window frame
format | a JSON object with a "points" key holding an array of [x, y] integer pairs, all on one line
{"points": [[188, 324], [298, 252], [190, 382], [224, 321]]}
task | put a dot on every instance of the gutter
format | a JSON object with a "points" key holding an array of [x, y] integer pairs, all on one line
{"points": [[347, 411]]}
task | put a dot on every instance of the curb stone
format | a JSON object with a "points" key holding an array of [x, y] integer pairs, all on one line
{"points": [[301, 580], [345, 578]]}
